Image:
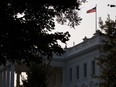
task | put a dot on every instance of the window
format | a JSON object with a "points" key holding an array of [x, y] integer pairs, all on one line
{"points": [[93, 67], [54, 79], [85, 70], [77, 72], [70, 73], [61, 74]]}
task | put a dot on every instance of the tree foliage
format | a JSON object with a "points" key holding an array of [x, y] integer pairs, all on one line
{"points": [[108, 61], [25, 33], [37, 76], [25, 27]]}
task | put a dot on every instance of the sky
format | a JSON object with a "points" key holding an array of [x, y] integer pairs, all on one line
{"points": [[87, 25]]}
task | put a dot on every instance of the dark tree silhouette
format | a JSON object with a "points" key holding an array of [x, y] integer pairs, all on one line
{"points": [[25, 27], [107, 61], [38, 76], [25, 33]]}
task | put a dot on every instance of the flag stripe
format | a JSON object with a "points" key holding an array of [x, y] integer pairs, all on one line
{"points": [[91, 10]]}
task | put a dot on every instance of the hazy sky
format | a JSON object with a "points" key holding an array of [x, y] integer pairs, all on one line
{"points": [[87, 25]]}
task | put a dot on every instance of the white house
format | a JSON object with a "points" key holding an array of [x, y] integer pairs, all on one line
{"points": [[78, 66]]}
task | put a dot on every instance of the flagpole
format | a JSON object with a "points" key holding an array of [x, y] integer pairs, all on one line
{"points": [[96, 19], [94, 10]]}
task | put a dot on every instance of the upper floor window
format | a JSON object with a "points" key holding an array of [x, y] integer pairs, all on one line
{"points": [[70, 74], [77, 72], [61, 74], [85, 69], [54, 79], [93, 67]]}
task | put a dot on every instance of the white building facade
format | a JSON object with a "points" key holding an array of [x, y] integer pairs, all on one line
{"points": [[78, 66]]}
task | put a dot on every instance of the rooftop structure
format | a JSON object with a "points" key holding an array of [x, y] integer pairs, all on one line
{"points": [[77, 66]]}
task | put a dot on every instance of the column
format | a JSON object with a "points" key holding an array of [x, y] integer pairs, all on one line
{"points": [[12, 76], [8, 76], [0, 78], [3, 78]]}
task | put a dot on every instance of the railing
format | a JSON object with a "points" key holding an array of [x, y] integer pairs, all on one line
{"points": [[95, 40]]}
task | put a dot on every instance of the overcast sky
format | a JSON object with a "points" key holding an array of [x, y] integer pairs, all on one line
{"points": [[87, 25]]}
